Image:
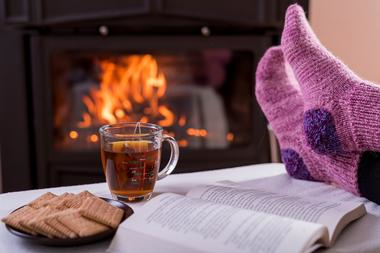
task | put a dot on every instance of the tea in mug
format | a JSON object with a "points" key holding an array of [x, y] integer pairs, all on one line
{"points": [[130, 167]]}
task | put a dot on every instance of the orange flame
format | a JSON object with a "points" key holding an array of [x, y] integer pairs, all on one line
{"points": [[73, 134], [182, 121], [168, 115], [131, 89], [197, 132], [230, 137], [183, 143], [86, 122], [94, 138]]}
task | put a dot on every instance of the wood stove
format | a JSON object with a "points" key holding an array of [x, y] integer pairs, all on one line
{"points": [[187, 66]]}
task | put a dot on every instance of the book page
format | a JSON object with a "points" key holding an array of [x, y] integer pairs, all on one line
{"points": [[300, 208], [206, 226]]}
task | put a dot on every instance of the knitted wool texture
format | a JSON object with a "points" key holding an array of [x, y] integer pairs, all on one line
{"points": [[282, 103], [342, 112]]}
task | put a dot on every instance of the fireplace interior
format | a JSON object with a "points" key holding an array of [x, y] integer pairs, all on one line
{"points": [[189, 66], [187, 93]]}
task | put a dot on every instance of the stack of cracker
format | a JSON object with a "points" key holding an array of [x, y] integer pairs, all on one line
{"points": [[65, 216]]}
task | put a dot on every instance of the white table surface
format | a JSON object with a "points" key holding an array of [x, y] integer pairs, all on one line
{"points": [[361, 236], [177, 183]]}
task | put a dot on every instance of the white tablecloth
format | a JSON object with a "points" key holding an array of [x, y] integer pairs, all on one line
{"points": [[362, 236]]}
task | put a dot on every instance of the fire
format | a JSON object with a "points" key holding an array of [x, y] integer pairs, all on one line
{"points": [[86, 122], [169, 116], [197, 132], [182, 121], [94, 138], [183, 143], [131, 88], [230, 137], [73, 135]]}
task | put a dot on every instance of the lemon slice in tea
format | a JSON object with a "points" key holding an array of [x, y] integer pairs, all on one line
{"points": [[136, 146]]}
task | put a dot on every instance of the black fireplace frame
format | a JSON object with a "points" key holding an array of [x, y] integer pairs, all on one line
{"points": [[29, 27]]}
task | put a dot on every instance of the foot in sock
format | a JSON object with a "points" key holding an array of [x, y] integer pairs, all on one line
{"points": [[342, 112], [282, 103]]}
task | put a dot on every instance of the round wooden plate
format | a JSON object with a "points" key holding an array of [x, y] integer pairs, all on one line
{"points": [[39, 239]]}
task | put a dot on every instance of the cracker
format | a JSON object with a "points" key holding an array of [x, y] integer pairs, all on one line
{"points": [[14, 219], [60, 201], [40, 226], [86, 194], [102, 212], [81, 225], [78, 199], [42, 200], [53, 221]]}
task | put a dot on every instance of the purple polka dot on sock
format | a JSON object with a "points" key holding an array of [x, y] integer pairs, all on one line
{"points": [[294, 164], [320, 132]]}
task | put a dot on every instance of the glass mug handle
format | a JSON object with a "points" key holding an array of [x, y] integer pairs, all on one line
{"points": [[173, 157]]}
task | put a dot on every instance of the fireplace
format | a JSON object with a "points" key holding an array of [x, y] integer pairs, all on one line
{"points": [[191, 72], [199, 89]]}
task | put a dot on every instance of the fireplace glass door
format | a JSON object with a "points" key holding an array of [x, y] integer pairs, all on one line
{"points": [[202, 97]]}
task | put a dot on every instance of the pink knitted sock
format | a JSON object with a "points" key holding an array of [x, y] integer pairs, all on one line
{"points": [[342, 112], [282, 103]]}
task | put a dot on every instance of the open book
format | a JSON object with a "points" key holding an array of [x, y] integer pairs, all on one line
{"points": [[227, 219]]}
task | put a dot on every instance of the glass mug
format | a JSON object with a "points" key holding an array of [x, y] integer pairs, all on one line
{"points": [[131, 154]]}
